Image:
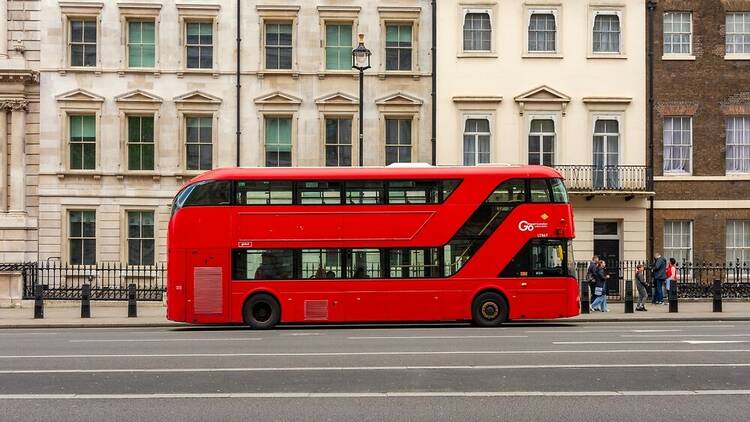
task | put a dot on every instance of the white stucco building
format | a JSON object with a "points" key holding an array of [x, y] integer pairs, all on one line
{"points": [[555, 83]]}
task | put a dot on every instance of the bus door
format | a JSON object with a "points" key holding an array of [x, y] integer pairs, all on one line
{"points": [[208, 295], [544, 291]]}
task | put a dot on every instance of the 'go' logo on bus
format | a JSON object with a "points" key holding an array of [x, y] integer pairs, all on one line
{"points": [[525, 226]]}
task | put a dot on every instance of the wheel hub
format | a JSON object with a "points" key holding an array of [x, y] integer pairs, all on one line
{"points": [[489, 310]]}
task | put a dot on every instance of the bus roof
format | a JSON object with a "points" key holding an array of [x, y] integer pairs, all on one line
{"points": [[342, 173]]}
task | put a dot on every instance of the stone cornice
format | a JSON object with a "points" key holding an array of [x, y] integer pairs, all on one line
{"points": [[14, 104], [20, 75]]}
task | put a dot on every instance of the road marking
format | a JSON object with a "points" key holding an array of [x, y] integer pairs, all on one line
{"points": [[134, 340], [393, 353], [654, 331], [300, 334], [684, 335], [393, 394], [426, 337], [651, 342], [372, 368]]}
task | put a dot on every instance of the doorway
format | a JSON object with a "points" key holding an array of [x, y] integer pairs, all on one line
{"points": [[607, 247]]}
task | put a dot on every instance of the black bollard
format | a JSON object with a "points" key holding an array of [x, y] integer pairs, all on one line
{"points": [[585, 297], [86, 301], [673, 304], [717, 295], [628, 296], [132, 307], [38, 301]]}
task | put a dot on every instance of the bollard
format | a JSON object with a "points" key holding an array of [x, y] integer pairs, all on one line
{"points": [[132, 307], [628, 296], [673, 304], [585, 297], [717, 295], [38, 301], [86, 301]]}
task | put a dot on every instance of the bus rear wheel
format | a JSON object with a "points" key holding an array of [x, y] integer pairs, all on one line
{"points": [[262, 312], [489, 309]]}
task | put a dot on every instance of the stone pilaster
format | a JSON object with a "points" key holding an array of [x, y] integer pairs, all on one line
{"points": [[17, 178]]}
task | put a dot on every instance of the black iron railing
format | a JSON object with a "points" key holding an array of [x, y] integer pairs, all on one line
{"points": [[590, 178], [694, 280], [108, 280]]}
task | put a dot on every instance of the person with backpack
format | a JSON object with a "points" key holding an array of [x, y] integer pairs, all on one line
{"points": [[640, 284], [659, 274]]}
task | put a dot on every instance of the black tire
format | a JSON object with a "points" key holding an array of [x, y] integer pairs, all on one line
{"points": [[262, 312], [489, 309]]}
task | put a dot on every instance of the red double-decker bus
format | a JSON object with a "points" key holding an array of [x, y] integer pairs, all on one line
{"points": [[266, 246]]}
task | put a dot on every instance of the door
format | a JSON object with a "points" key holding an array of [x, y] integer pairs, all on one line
{"points": [[606, 154], [607, 247]]}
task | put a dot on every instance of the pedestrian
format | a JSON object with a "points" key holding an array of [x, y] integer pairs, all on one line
{"points": [[640, 284], [659, 275], [671, 276], [600, 291], [593, 265]]}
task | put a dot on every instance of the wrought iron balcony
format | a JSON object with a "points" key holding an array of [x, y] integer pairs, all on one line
{"points": [[607, 179]]}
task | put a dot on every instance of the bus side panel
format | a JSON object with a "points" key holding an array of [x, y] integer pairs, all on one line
{"points": [[208, 286], [176, 285]]}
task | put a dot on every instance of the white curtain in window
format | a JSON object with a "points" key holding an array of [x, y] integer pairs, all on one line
{"points": [[678, 240], [738, 145], [738, 242], [677, 144], [606, 33]]}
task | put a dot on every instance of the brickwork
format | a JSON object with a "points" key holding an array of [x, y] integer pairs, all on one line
{"points": [[709, 88]]}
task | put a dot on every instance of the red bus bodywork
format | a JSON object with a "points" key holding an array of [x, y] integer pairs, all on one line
{"points": [[204, 237]]}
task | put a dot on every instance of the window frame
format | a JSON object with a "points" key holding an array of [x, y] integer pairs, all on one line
{"points": [[746, 129], [196, 104], [74, 11], [467, 117], [664, 147], [138, 103], [490, 10], [264, 52], [292, 128], [189, 13], [690, 55], [66, 214], [139, 12], [353, 137], [743, 249], [185, 142], [277, 14], [595, 11], [125, 250], [556, 141], [399, 15], [691, 238], [399, 117], [187, 45], [324, 42], [727, 54], [556, 11], [128, 143]]}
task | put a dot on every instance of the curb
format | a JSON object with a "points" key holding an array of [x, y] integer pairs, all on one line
{"points": [[105, 325], [661, 319]]}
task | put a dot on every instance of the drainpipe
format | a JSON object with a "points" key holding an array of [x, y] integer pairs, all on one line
{"points": [[433, 3], [239, 86], [651, 5]]}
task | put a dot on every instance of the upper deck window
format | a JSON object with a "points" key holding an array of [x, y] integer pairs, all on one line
{"points": [[319, 193], [559, 193], [211, 192], [413, 192], [264, 193], [539, 190], [364, 192]]}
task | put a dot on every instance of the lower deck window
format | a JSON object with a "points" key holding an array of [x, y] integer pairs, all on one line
{"points": [[258, 264], [540, 258]]}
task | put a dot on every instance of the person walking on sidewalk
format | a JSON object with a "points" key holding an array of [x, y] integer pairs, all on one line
{"points": [[659, 274], [640, 284], [600, 303], [590, 278]]}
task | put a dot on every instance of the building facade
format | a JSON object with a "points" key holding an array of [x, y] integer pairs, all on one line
{"points": [[19, 129], [554, 83], [141, 96], [701, 126]]}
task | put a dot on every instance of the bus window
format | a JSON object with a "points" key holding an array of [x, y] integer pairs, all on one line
{"points": [[321, 263], [539, 258], [448, 187], [264, 193], [559, 193], [319, 193], [510, 191], [364, 263], [413, 263], [412, 192], [539, 190], [257, 264], [364, 192], [211, 192]]}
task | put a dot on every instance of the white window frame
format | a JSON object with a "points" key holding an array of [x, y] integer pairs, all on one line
{"points": [[352, 137], [620, 53], [399, 15], [664, 239], [125, 238], [139, 12], [727, 54], [272, 14], [726, 137], [292, 116], [543, 116], [489, 119], [664, 146], [71, 11], [65, 214], [743, 249], [190, 13], [412, 117], [678, 56], [489, 10], [555, 11]]}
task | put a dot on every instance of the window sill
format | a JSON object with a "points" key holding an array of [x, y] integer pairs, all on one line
{"points": [[322, 74], [95, 174], [683, 57], [736, 177], [737, 57], [542, 56], [399, 73], [140, 71], [70, 69], [213, 72], [283, 72], [134, 173], [607, 56], [477, 54]]}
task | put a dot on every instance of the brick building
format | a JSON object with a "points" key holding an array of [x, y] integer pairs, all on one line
{"points": [[701, 129]]}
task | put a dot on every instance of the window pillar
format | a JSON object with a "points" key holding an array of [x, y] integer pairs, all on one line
{"points": [[3, 158], [17, 200]]}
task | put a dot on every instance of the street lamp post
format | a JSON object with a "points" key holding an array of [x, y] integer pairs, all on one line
{"points": [[361, 61]]}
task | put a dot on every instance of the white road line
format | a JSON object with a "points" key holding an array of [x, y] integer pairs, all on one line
{"points": [[596, 331], [372, 368], [157, 340], [427, 337], [651, 342], [682, 335], [393, 353], [393, 394]]}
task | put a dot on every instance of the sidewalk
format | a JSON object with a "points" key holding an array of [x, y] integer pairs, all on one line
{"points": [[152, 314]]}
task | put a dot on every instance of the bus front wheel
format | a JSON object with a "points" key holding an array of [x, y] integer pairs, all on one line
{"points": [[489, 309], [262, 312]]}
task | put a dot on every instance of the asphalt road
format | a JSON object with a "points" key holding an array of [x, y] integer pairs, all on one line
{"points": [[645, 371]]}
